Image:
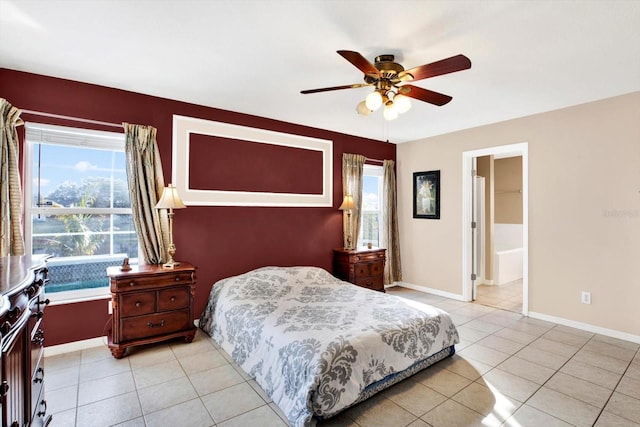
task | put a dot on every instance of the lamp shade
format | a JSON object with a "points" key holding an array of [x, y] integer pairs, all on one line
{"points": [[347, 204], [170, 199]]}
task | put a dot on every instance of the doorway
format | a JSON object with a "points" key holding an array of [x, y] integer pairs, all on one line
{"points": [[480, 282]]}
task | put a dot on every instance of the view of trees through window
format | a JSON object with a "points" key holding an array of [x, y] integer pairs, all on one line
{"points": [[81, 203]]}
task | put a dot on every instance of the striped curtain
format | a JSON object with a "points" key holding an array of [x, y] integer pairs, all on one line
{"points": [[146, 183], [352, 171], [11, 239], [390, 236]]}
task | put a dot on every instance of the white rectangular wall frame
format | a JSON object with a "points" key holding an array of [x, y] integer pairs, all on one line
{"points": [[184, 126]]}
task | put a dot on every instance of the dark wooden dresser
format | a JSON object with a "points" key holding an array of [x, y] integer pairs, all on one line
{"points": [[364, 267], [22, 280], [151, 304]]}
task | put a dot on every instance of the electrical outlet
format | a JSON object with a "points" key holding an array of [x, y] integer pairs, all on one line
{"points": [[110, 307], [586, 297]]}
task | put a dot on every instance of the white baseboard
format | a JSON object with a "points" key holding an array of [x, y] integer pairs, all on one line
{"points": [[54, 350], [558, 320], [430, 291], [587, 327]]}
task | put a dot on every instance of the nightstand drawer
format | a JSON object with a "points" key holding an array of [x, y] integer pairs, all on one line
{"points": [[154, 324], [369, 256], [137, 303], [173, 299], [176, 278], [376, 268], [361, 270], [369, 269], [374, 283]]}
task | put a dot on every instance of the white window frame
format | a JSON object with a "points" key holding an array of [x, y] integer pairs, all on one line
{"points": [[36, 133], [372, 170]]}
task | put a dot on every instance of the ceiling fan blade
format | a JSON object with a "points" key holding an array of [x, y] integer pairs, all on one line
{"points": [[425, 95], [360, 62], [438, 68], [327, 89]]}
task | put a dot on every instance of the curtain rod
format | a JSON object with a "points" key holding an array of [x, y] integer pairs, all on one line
{"points": [[373, 160], [75, 119]]}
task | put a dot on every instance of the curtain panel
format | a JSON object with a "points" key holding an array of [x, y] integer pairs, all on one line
{"points": [[390, 236], [352, 171], [11, 236], [146, 184]]}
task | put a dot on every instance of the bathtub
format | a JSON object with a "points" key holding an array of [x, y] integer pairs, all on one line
{"points": [[507, 266]]}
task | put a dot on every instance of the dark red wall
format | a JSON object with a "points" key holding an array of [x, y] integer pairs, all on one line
{"points": [[220, 241]]}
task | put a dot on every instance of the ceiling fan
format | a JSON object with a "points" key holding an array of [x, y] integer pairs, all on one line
{"points": [[387, 76]]}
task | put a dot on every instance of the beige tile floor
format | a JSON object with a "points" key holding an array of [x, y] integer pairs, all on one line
{"points": [[507, 297], [508, 370]]}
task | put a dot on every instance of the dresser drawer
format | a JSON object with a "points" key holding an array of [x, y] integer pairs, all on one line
{"points": [[137, 303], [154, 324], [167, 279], [173, 298]]}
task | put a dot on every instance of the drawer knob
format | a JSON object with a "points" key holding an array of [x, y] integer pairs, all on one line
{"points": [[132, 283], [138, 304], [177, 278], [173, 299]]}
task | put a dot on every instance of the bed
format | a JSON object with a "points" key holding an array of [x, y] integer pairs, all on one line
{"points": [[318, 345]]}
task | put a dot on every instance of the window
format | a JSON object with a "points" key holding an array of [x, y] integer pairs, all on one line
{"points": [[371, 219], [77, 204]]}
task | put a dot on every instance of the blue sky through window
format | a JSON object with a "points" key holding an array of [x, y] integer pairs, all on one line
{"points": [[370, 197], [61, 164]]}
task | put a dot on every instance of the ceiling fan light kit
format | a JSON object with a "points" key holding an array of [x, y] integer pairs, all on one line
{"points": [[387, 77]]}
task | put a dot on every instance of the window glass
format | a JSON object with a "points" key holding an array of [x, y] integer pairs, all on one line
{"points": [[79, 206], [371, 215]]}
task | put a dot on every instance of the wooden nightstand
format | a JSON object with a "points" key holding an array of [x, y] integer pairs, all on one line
{"points": [[361, 267], [151, 304]]}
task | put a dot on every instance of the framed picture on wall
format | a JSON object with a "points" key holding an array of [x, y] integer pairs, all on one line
{"points": [[426, 195]]}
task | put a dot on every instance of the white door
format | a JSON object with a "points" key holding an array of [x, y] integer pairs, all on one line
{"points": [[477, 233]]}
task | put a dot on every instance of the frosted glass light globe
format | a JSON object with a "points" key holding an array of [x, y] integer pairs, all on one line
{"points": [[374, 100], [402, 103], [363, 109], [390, 112]]}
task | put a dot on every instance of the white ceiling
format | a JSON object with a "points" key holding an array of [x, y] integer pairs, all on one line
{"points": [[255, 56]]}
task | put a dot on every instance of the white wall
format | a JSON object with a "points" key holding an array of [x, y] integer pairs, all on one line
{"points": [[584, 210]]}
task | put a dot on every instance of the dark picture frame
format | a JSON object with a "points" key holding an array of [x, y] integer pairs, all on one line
{"points": [[426, 195]]}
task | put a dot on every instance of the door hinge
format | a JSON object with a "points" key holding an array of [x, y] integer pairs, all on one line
{"points": [[473, 224], [473, 276]]}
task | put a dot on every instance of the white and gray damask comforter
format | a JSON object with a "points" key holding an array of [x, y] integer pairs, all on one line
{"points": [[318, 345]]}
